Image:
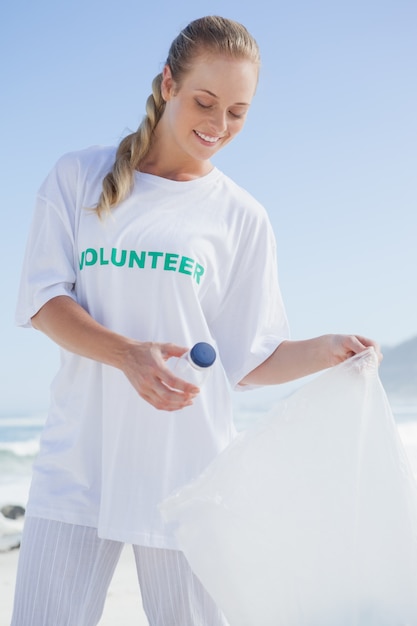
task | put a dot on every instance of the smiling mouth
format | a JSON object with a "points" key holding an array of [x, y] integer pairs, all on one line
{"points": [[207, 138]]}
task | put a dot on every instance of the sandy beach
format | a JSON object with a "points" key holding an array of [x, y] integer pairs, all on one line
{"points": [[123, 606]]}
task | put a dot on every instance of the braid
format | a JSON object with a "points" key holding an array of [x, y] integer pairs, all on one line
{"points": [[118, 183], [142, 139]]}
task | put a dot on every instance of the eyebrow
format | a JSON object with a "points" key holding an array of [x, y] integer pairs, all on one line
{"points": [[244, 104]]}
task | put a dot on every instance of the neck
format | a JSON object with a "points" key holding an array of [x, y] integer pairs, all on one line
{"points": [[164, 161], [175, 173]]}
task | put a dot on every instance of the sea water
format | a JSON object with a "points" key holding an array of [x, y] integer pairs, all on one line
{"points": [[19, 445], [20, 436]]}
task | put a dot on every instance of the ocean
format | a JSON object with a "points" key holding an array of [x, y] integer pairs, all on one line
{"points": [[20, 434], [19, 445]]}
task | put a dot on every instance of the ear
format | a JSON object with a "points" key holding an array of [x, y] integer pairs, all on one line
{"points": [[167, 84]]}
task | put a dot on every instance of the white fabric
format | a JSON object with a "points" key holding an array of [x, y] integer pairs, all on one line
{"points": [[309, 518], [65, 570], [171, 592], [177, 261], [63, 575]]}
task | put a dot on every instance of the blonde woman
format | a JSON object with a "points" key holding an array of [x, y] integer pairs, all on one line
{"points": [[135, 254]]}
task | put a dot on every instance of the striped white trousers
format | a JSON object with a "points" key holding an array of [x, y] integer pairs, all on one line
{"points": [[65, 570]]}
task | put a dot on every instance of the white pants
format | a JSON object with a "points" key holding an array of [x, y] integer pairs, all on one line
{"points": [[64, 573]]}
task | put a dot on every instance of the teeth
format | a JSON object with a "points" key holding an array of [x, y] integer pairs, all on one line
{"points": [[206, 137]]}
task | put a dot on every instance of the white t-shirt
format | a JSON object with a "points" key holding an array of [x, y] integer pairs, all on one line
{"points": [[176, 262]]}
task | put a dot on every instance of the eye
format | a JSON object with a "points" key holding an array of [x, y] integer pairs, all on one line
{"points": [[237, 116], [202, 105]]}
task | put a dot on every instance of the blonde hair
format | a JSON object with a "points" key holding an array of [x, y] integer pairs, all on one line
{"points": [[210, 34]]}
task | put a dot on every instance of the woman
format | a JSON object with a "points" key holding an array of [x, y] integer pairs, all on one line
{"points": [[134, 255]]}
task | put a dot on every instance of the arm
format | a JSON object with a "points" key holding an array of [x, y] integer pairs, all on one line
{"points": [[295, 359], [143, 363]]}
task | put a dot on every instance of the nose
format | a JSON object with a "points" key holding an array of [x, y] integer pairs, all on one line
{"points": [[218, 121]]}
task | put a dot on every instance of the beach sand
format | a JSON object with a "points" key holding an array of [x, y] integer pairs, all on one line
{"points": [[123, 605]]}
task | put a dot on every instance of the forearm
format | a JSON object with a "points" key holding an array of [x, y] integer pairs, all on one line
{"points": [[72, 328], [295, 359], [291, 360]]}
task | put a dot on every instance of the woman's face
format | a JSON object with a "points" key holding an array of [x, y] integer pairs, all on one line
{"points": [[209, 107]]}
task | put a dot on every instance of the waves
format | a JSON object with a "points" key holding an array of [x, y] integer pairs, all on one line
{"points": [[19, 449], [20, 436], [16, 459], [19, 446]]}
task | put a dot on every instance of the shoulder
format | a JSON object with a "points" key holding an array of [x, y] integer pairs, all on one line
{"points": [[241, 198], [79, 169], [94, 160], [243, 209]]}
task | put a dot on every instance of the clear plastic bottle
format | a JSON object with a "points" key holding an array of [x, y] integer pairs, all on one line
{"points": [[194, 366]]}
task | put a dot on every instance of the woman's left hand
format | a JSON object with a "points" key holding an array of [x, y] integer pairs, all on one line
{"points": [[342, 347]]}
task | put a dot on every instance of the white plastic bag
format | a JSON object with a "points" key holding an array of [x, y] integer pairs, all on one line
{"points": [[310, 517]]}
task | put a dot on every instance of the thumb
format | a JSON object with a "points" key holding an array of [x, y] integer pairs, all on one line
{"points": [[169, 350], [369, 343]]}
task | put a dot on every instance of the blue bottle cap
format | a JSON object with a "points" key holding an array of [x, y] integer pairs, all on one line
{"points": [[203, 354]]}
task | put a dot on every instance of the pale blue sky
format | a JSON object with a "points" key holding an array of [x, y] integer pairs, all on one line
{"points": [[330, 147]]}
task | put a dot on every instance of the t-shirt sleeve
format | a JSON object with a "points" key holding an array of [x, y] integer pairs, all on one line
{"points": [[252, 320], [49, 264]]}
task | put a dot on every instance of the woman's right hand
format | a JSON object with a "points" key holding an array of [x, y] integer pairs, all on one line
{"points": [[146, 369], [143, 363]]}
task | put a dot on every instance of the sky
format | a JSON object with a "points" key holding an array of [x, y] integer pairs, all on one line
{"points": [[329, 148]]}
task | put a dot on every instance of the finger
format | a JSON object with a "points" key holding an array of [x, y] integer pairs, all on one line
{"points": [[179, 384], [169, 399], [168, 377], [164, 403], [357, 345], [370, 343], [169, 350]]}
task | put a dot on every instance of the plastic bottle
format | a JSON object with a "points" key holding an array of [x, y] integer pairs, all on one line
{"points": [[194, 366]]}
